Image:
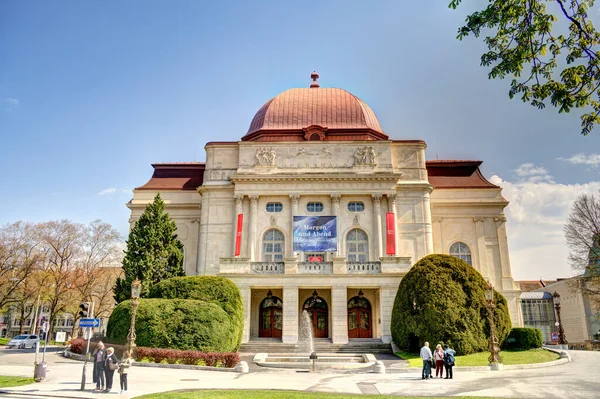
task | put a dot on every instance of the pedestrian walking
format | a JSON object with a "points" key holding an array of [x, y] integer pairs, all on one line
{"points": [[110, 365], [438, 357], [426, 357], [126, 363], [449, 354], [99, 357]]}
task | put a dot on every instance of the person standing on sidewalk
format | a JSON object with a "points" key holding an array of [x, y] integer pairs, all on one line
{"points": [[438, 356], [126, 363], [99, 357], [426, 357], [110, 365], [449, 361]]}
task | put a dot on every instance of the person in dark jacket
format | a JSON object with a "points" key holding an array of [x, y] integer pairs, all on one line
{"points": [[449, 354], [110, 365], [99, 356]]}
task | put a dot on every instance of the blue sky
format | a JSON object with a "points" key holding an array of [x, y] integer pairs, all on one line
{"points": [[93, 92]]}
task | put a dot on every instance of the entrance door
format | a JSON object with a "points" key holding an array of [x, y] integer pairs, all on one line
{"points": [[318, 311], [359, 318], [271, 317]]}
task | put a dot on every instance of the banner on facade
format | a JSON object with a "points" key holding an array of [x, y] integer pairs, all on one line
{"points": [[390, 234], [238, 234], [315, 234]]}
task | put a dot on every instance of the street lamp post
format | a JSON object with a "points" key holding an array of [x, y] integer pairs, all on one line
{"points": [[136, 287], [562, 340], [495, 359]]}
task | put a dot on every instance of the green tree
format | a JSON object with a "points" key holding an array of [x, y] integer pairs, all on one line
{"points": [[441, 299], [549, 47], [153, 251]]}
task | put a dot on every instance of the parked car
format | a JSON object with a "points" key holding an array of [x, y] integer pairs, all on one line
{"points": [[23, 341]]}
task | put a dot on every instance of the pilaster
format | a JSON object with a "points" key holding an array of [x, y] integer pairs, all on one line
{"points": [[290, 314], [335, 204], [294, 200], [253, 227], [339, 314], [481, 249], [237, 209], [247, 301], [387, 297], [377, 225]]}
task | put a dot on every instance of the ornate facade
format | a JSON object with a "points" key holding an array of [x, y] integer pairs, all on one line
{"points": [[321, 152]]}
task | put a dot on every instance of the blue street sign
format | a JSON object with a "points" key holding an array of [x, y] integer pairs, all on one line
{"points": [[89, 323]]}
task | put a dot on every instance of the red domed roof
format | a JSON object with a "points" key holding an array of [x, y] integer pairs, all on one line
{"points": [[296, 114]]}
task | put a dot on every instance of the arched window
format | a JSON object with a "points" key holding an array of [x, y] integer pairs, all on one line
{"points": [[461, 251], [273, 244], [357, 246]]}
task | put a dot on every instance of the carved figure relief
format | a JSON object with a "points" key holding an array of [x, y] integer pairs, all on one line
{"points": [[265, 157], [364, 156], [322, 151]]}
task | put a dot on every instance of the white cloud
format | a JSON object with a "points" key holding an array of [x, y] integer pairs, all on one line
{"points": [[11, 101], [536, 215], [113, 190], [533, 173], [583, 159]]}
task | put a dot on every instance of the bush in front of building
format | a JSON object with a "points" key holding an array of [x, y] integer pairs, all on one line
{"points": [[523, 339], [441, 300], [174, 324], [212, 289], [190, 357]]}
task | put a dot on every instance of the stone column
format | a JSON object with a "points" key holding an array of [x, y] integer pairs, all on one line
{"points": [[339, 314], [247, 301], [335, 205], [253, 227], [295, 200], [387, 295], [202, 234], [391, 198], [507, 280], [377, 225], [237, 209], [481, 251], [427, 222], [290, 314]]}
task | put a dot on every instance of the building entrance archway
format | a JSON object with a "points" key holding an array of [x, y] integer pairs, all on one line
{"points": [[270, 317], [360, 317], [318, 312]]}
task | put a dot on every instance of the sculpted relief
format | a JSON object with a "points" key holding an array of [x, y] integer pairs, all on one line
{"points": [[364, 156], [265, 157]]}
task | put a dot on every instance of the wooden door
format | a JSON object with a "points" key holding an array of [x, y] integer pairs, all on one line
{"points": [[359, 318], [270, 318]]}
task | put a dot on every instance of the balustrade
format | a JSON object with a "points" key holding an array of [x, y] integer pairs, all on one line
{"points": [[267, 267], [364, 267], [315, 267]]}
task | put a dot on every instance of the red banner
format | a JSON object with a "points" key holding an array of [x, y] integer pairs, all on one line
{"points": [[238, 234], [390, 234]]}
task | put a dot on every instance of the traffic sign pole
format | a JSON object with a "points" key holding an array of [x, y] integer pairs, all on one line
{"points": [[87, 352]]}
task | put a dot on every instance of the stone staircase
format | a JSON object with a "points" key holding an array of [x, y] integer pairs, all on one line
{"points": [[268, 345]]}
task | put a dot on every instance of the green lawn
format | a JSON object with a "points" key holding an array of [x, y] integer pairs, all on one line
{"points": [[481, 359], [233, 394], [6, 382]]}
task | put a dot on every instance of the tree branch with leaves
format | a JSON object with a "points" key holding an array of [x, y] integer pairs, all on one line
{"points": [[549, 47]]}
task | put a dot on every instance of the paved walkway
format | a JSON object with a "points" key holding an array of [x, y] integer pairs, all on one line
{"points": [[578, 379]]}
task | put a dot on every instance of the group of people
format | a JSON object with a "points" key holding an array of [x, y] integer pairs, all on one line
{"points": [[105, 365], [439, 359]]}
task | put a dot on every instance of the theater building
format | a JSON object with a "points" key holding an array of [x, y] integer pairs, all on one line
{"points": [[316, 208]]}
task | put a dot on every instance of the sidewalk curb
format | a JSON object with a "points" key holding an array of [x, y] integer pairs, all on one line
{"points": [[77, 356]]}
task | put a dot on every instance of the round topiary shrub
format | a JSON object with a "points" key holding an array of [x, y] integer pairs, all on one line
{"points": [[441, 299], [173, 323], [523, 339], [217, 290]]}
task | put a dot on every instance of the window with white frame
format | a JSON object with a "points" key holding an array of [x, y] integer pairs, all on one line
{"points": [[356, 206], [69, 322], [357, 246], [274, 207], [45, 309], [314, 207], [460, 250], [273, 246]]}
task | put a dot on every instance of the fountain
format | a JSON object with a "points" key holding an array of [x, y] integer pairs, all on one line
{"points": [[306, 357]]}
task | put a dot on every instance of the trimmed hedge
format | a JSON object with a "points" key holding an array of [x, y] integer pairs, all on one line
{"points": [[174, 323], [173, 356], [216, 290], [523, 338], [441, 299]]}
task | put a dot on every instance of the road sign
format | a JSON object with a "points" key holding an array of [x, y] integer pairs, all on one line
{"points": [[555, 336], [89, 323], [60, 336], [45, 326], [88, 333]]}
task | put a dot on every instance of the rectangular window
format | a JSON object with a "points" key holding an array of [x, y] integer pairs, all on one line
{"points": [[274, 207], [314, 207], [356, 206]]}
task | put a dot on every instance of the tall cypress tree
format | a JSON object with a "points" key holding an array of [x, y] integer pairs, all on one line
{"points": [[153, 251]]}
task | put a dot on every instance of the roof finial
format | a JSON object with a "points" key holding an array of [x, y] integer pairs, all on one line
{"points": [[314, 76]]}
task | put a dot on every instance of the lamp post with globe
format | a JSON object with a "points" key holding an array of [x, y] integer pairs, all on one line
{"points": [[562, 340], [136, 287], [495, 359]]}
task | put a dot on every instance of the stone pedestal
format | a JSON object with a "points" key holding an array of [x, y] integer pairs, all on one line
{"points": [[339, 265]]}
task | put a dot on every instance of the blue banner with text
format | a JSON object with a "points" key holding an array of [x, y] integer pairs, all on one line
{"points": [[315, 234]]}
